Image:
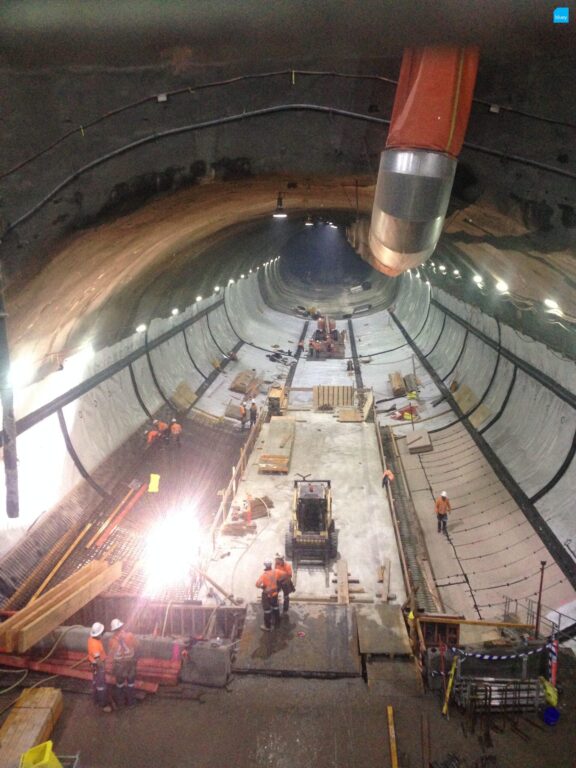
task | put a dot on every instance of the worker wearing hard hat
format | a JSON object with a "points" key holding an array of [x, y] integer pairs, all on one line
{"points": [[122, 650], [97, 658], [387, 477], [243, 414], [285, 583], [268, 583], [175, 431], [162, 428], [253, 413], [443, 508]]}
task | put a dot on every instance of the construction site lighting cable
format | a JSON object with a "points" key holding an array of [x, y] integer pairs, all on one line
{"points": [[292, 73], [242, 117]]}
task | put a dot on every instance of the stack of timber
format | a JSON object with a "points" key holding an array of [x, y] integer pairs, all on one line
{"points": [[397, 384], [66, 668], [246, 383], [41, 616], [330, 397], [30, 722], [278, 449]]}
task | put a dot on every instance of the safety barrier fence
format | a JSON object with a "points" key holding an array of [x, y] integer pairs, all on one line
{"points": [[237, 472]]}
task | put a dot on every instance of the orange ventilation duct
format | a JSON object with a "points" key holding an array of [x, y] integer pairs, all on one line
{"points": [[429, 120]]}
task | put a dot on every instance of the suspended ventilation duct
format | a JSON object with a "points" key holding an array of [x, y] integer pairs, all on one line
{"points": [[429, 120]]}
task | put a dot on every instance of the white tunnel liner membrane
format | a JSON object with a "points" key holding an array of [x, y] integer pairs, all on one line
{"points": [[535, 425], [443, 358]]}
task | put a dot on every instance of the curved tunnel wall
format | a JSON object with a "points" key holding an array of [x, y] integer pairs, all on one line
{"points": [[519, 395]]}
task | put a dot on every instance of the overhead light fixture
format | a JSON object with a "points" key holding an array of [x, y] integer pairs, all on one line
{"points": [[230, 281], [477, 279], [279, 213], [333, 226], [141, 328], [216, 288], [249, 271], [442, 268], [502, 286], [243, 276], [175, 311], [309, 222], [198, 298], [480, 284], [456, 272], [551, 304]]}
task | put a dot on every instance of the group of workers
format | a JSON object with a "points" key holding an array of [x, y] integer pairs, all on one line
{"points": [[122, 654], [248, 412], [164, 433], [272, 581]]}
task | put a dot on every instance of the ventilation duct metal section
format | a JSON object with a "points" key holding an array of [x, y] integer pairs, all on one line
{"points": [[417, 168]]}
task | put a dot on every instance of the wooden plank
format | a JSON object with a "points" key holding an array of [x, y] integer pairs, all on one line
{"points": [[343, 588], [9, 627], [30, 722], [392, 737], [54, 570], [39, 628]]}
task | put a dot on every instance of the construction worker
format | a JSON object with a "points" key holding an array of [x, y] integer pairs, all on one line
{"points": [[97, 658], [387, 477], [253, 413], [151, 436], [162, 428], [122, 650], [175, 431], [268, 583], [443, 508], [285, 583]]}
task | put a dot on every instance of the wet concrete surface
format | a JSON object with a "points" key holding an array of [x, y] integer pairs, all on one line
{"points": [[281, 723]]}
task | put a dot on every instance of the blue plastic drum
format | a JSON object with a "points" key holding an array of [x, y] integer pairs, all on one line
{"points": [[551, 716]]}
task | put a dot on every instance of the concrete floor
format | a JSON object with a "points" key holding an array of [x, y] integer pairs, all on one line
{"points": [[282, 723]]}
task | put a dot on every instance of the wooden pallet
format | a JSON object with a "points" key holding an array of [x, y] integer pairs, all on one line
{"points": [[332, 396], [30, 723]]}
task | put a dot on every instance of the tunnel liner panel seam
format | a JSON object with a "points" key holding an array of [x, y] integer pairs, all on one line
{"points": [[168, 402], [137, 391], [76, 459], [190, 354], [559, 474]]}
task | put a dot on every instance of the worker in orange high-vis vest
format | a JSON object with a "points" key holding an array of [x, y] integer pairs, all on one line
{"points": [[122, 650], [268, 583], [175, 431], [387, 478], [285, 583], [97, 658], [443, 508], [162, 428]]}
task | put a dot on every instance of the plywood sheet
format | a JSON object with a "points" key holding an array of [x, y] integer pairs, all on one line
{"points": [[418, 441], [382, 630], [183, 397], [277, 450], [312, 641]]}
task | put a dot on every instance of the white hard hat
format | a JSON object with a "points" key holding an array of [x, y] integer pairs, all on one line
{"points": [[97, 629], [444, 494], [267, 564], [279, 556], [116, 624]]}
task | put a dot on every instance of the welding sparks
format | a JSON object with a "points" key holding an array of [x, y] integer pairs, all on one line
{"points": [[173, 549]]}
